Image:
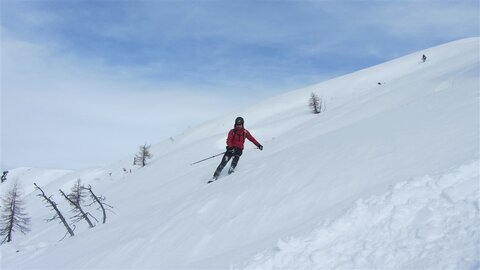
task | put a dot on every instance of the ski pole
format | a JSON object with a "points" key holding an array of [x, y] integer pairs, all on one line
{"points": [[208, 158]]}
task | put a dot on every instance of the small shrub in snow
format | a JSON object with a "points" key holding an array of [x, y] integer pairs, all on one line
{"points": [[316, 104]]}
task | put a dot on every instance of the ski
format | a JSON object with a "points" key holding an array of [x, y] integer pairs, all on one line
{"points": [[230, 171]]}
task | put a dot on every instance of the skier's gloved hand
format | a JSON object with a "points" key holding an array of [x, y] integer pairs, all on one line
{"points": [[260, 147]]}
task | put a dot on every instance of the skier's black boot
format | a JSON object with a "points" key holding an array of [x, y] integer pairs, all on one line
{"points": [[214, 178], [231, 170]]}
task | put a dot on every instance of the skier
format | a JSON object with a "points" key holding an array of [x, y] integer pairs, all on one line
{"points": [[424, 58], [236, 138]]}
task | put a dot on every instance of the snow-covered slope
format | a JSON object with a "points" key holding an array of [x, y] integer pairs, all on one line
{"points": [[386, 177], [414, 225]]}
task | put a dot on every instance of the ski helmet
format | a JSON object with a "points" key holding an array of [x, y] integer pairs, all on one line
{"points": [[239, 121]]}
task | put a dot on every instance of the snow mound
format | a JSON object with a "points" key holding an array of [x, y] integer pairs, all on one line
{"points": [[26, 176], [431, 221]]}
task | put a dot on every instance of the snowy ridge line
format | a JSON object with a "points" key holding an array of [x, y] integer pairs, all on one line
{"points": [[428, 221]]}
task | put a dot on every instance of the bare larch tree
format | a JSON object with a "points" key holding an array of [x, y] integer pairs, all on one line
{"points": [[143, 155], [76, 198], [53, 205], [13, 215], [100, 201]]}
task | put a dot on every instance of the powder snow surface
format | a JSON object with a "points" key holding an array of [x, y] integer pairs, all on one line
{"points": [[387, 177], [414, 225]]}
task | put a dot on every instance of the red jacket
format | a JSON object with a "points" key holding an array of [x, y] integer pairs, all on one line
{"points": [[236, 138]]}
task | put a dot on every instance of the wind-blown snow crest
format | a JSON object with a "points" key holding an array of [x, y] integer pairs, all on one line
{"points": [[27, 176], [427, 223]]}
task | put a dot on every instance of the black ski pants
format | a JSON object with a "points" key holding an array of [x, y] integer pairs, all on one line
{"points": [[235, 153]]}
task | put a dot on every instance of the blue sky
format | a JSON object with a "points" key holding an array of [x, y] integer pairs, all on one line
{"points": [[84, 83]]}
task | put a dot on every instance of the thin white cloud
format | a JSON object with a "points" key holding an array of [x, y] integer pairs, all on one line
{"points": [[63, 111]]}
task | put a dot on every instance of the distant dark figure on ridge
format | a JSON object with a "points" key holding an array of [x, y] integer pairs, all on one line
{"points": [[424, 58], [4, 176]]}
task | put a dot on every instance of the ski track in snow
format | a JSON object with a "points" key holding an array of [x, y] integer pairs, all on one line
{"points": [[433, 220]]}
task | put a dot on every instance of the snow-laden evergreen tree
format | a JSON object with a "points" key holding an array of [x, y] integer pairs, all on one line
{"points": [[13, 215]]}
